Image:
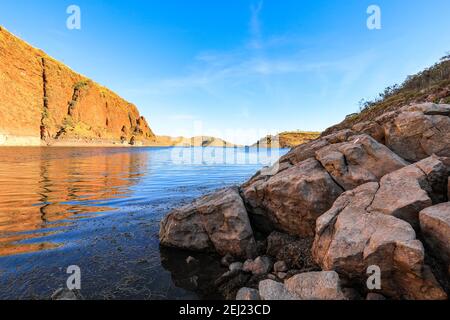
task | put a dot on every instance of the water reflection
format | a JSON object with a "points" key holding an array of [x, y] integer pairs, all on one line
{"points": [[47, 189]]}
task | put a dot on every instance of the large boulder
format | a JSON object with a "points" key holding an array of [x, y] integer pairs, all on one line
{"points": [[216, 222], [359, 160], [292, 200], [272, 290], [405, 192], [349, 239], [435, 226], [418, 131], [305, 286]]}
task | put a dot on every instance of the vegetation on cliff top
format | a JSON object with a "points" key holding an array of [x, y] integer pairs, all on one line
{"points": [[430, 85]]}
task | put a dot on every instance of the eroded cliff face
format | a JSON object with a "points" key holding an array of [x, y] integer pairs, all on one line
{"points": [[42, 101]]}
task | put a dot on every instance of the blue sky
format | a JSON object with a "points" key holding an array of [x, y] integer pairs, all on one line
{"points": [[238, 66]]}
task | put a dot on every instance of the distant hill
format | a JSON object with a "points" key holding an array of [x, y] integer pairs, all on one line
{"points": [[430, 85], [201, 141], [289, 139]]}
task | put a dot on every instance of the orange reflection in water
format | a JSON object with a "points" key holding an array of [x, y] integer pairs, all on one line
{"points": [[42, 188]]}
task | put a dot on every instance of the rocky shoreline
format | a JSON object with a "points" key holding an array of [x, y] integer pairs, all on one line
{"points": [[313, 226]]}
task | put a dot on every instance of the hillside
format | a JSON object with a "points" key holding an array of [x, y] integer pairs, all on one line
{"points": [[43, 102], [430, 85], [288, 139]]}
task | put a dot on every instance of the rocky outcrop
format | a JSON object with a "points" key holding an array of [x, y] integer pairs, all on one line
{"points": [[288, 200], [350, 238], [346, 203], [435, 226], [43, 102], [217, 222]]}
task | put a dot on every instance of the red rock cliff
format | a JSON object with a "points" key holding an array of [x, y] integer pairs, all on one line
{"points": [[42, 101]]}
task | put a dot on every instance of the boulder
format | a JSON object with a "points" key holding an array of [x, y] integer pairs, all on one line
{"points": [[280, 266], [359, 160], [260, 266], [247, 294], [405, 192], [435, 226], [272, 290], [350, 238], [217, 222], [288, 201], [323, 285], [418, 131]]}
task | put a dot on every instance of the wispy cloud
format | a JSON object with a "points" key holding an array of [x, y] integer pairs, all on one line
{"points": [[258, 59], [255, 25]]}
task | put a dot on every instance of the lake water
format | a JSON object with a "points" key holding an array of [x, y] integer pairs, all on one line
{"points": [[99, 209]]}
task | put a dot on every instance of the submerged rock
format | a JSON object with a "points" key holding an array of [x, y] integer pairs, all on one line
{"points": [[217, 222]]}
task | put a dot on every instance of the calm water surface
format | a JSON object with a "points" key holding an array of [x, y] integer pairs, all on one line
{"points": [[99, 209]]}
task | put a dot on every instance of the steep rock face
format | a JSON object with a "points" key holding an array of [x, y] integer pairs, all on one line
{"points": [[41, 98], [217, 222], [350, 239], [21, 92]]}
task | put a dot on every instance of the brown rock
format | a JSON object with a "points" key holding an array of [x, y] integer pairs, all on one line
{"points": [[349, 239], [435, 226], [358, 161], [272, 290], [372, 129], [405, 192], [216, 222], [323, 285], [247, 294], [260, 266], [288, 200], [419, 131]]}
